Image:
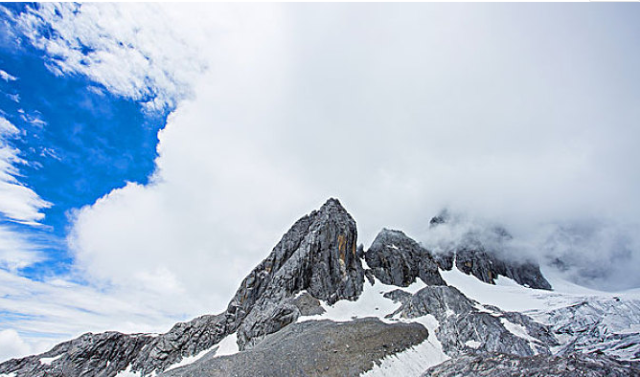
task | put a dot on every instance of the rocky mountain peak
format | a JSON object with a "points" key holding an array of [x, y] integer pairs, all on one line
{"points": [[317, 260], [396, 259], [480, 253], [317, 255]]}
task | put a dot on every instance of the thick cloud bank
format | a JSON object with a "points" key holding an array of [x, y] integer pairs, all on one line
{"points": [[519, 114]]}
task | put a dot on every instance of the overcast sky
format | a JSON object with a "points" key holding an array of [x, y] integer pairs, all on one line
{"points": [[188, 138]]}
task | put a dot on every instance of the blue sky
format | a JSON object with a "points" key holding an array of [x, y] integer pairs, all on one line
{"points": [[152, 154], [76, 142], [79, 140]]}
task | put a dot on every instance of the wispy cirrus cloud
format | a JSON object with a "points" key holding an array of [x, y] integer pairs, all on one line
{"points": [[6, 76], [105, 43], [17, 202]]}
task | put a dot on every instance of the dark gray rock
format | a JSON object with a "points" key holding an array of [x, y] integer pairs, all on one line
{"points": [[503, 365], [370, 277], [313, 348], [396, 259], [445, 260], [474, 259], [308, 305], [99, 355], [442, 218], [467, 326], [436, 220], [318, 254], [481, 255], [184, 339]]}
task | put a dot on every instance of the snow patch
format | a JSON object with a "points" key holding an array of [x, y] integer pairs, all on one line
{"points": [[49, 360], [519, 331], [227, 346], [483, 309], [473, 344], [510, 296], [128, 373], [187, 360], [371, 303], [415, 360], [12, 374]]}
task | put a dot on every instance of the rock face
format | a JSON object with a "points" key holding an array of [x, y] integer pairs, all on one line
{"points": [[313, 348], [503, 365], [467, 326], [99, 355], [475, 260], [396, 259], [315, 265], [184, 339], [317, 255], [473, 257]]}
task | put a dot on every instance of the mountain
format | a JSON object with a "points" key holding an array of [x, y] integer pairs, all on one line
{"points": [[319, 305]]}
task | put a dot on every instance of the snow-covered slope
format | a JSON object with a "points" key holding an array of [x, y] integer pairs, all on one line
{"points": [[582, 319]]}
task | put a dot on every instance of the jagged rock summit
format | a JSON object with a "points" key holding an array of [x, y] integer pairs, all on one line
{"points": [[307, 310], [396, 259], [471, 256]]}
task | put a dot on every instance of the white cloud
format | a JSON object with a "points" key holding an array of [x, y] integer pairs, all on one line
{"points": [[17, 251], [12, 345], [397, 118], [57, 309], [512, 113], [6, 76], [17, 202], [105, 42]]}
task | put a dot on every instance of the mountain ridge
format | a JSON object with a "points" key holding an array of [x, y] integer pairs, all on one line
{"points": [[315, 266]]}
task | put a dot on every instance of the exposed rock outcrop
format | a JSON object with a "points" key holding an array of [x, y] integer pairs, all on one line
{"points": [[468, 326], [99, 355], [606, 326], [318, 263], [503, 365], [473, 257], [184, 339], [398, 260], [318, 255]]}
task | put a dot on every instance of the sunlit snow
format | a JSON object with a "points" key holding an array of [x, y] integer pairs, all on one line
{"points": [[49, 360]]}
